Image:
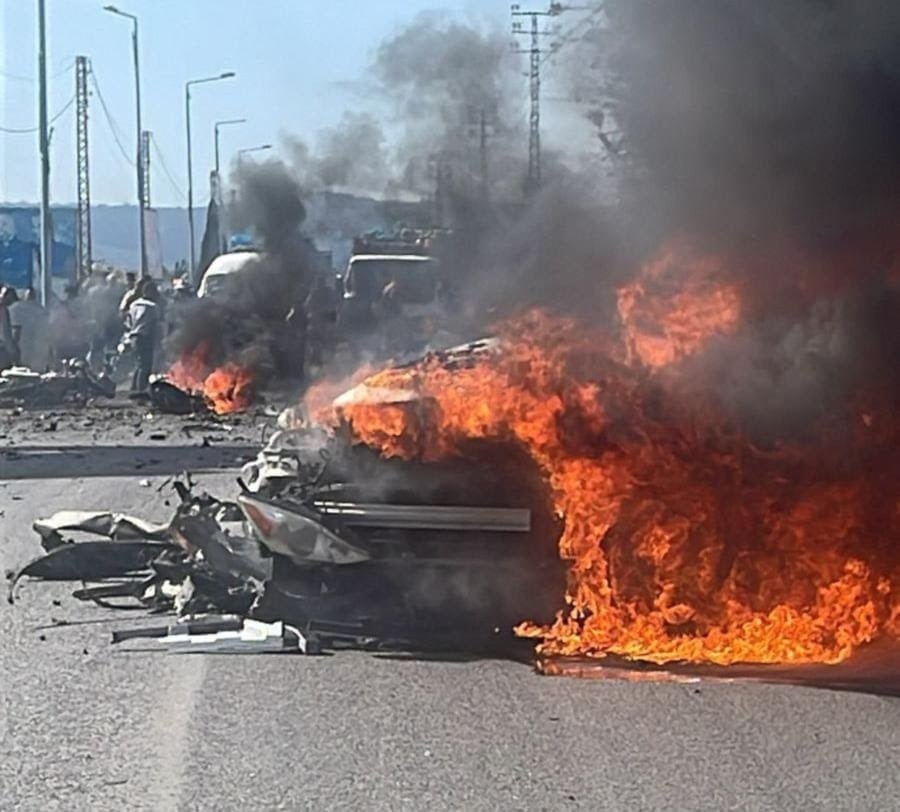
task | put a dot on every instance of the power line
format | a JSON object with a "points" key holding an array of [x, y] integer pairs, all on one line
{"points": [[25, 130], [113, 127], [18, 77], [165, 168]]}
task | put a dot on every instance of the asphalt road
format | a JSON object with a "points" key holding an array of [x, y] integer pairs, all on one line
{"points": [[83, 726]]}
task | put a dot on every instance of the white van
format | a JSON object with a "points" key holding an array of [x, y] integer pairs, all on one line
{"points": [[222, 268]]}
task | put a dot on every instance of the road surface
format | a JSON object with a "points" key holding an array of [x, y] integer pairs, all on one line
{"points": [[83, 726]]}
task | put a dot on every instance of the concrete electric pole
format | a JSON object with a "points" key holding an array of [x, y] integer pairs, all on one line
{"points": [[145, 167], [83, 225], [44, 146]]}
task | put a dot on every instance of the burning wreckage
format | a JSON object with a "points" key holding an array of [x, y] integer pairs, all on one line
{"points": [[335, 541], [450, 500]]}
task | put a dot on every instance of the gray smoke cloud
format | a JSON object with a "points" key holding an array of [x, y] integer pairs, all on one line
{"points": [[440, 75], [352, 155], [434, 78]]}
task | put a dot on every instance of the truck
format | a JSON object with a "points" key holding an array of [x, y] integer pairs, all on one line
{"points": [[392, 290]]}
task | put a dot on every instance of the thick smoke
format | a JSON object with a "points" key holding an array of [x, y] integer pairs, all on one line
{"points": [[767, 133], [269, 202], [758, 119]]}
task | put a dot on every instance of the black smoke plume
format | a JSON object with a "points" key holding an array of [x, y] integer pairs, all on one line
{"points": [[750, 120], [249, 324], [766, 132]]}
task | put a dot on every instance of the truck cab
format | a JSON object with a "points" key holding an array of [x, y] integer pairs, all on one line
{"points": [[391, 288]]}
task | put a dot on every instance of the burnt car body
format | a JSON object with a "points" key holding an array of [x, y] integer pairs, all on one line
{"points": [[391, 549]]}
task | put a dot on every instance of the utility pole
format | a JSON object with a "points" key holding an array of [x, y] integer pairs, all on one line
{"points": [[145, 167], [44, 146], [533, 181], [83, 235]]}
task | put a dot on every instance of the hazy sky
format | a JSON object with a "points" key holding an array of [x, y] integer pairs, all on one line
{"points": [[299, 65]]}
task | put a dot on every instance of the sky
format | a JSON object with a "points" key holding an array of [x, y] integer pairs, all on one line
{"points": [[299, 65]]}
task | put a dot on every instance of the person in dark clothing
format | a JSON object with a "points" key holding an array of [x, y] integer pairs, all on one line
{"points": [[9, 349], [143, 325]]}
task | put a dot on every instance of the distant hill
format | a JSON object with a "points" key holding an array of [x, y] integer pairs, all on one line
{"points": [[114, 234], [333, 220]]}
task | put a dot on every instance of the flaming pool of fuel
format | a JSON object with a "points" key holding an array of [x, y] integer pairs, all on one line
{"points": [[227, 388], [684, 540]]}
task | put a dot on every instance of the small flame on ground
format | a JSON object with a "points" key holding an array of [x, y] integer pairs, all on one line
{"points": [[227, 388]]}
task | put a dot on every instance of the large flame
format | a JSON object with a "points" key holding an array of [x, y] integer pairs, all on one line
{"points": [[683, 540], [227, 388]]}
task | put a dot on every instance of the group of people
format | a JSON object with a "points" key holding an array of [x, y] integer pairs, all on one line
{"points": [[99, 319]]}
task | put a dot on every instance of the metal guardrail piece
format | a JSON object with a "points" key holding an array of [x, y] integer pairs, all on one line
{"points": [[428, 517]]}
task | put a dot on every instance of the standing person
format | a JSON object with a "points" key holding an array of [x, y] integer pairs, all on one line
{"points": [[29, 322], [143, 328], [130, 295], [9, 351]]}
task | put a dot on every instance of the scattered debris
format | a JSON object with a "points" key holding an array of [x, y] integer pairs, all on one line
{"points": [[76, 383], [115, 526], [320, 544], [170, 399], [208, 625], [253, 637]]}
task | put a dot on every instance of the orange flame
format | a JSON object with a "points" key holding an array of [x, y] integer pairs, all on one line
{"points": [[318, 397], [676, 305], [683, 541], [228, 388]]}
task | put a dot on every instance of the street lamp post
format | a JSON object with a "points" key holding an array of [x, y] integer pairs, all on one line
{"points": [[242, 152], [218, 184], [139, 162], [220, 124], [187, 117]]}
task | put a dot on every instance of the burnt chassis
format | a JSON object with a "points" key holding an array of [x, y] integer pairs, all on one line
{"points": [[373, 551]]}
